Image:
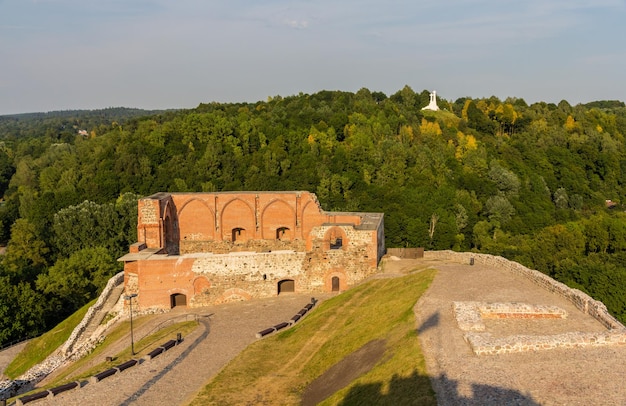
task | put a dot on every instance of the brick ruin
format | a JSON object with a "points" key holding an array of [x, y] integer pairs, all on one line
{"points": [[197, 249]]}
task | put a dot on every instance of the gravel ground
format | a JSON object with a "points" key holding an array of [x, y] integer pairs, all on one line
{"points": [[587, 376]]}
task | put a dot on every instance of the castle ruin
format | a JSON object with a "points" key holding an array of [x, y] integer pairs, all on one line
{"points": [[196, 249]]}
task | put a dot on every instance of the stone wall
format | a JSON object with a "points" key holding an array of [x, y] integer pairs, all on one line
{"points": [[410, 253], [217, 247], [66, 349], [256, 274], [485, 344]]}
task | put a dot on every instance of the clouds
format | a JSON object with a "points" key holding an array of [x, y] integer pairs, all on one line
{"points": [[158, 54]]}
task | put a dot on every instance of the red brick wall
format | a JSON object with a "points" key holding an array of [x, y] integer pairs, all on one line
{"points": [[184, 227]]}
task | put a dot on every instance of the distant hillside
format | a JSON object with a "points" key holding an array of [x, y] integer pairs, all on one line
{"points": [[65, 121]]}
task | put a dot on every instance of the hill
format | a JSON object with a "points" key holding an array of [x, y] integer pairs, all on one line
{"points": [[541, 184]]}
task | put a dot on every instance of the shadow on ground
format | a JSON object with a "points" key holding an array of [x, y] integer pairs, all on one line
{"points": [[402, 392], [416, 389]]}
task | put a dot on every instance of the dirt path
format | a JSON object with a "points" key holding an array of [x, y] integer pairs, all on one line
{"points": [[585, 376]]}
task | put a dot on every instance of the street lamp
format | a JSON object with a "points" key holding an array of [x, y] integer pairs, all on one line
{"points": [[130, 302]]}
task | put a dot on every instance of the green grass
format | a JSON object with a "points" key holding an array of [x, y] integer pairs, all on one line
{"points": [[38, 349], [449, 118], [278, 369]]}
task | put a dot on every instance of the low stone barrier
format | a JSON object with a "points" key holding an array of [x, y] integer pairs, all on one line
{"points": [[485, 344], [67, 348]]}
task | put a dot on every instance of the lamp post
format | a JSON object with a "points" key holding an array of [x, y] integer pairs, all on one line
{"points": [[130, 302]]}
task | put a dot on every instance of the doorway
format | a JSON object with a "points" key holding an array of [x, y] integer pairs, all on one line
{"points": [[286, 285], [335, 283], [178, 299]]}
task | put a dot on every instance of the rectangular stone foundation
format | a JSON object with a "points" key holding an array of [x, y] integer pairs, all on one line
{"points": [[485, 344]]}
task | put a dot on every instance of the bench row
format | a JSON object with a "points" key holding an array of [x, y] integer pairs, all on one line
{"points": [[291, 322], [50, 393]]}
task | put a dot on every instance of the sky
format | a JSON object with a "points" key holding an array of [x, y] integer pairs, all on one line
{"points": [[160, 54]]}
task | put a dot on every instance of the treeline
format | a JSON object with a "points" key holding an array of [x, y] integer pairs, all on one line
{"points": [[529, 182]]}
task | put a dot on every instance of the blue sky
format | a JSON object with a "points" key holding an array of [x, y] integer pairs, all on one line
{"points": [[153, 54]]}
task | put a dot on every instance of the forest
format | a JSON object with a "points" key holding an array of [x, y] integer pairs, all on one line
{"points": [[541, 184]]}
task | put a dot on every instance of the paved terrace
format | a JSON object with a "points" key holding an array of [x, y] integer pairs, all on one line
{"points": [[585, 375]]}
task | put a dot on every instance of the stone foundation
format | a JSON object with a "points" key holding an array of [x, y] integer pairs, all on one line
{"points": [[581, 300], [470, 315], [485, 344]]}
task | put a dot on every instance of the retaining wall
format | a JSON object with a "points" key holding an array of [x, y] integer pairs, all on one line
{"points": [[91, 312]]}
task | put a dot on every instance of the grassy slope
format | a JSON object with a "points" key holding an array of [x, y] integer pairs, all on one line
{"points": [[277, 370], [38, 349]]}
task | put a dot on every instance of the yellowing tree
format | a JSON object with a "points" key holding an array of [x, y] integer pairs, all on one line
{"points": [[466, 143], [570, 124], [405, 134], [428, 128], [465, 107]]}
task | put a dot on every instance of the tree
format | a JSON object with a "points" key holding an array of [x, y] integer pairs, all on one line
{"points": [[505, 180], [561, 201], [22, 310], [89, 224], [555, 244], [26, 253], [77, 279], [499, 209]]}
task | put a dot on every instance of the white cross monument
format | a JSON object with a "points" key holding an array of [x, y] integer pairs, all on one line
{"points": [[432, 105]]}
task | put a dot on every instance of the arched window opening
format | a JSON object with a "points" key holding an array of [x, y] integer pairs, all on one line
{"points": [[335, 283], [282, 233], [238, 234], [335, 238], [286, 285], [178, 299], [336, 243]]}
